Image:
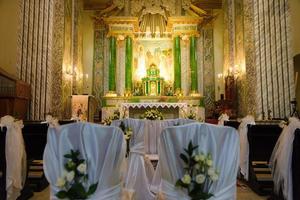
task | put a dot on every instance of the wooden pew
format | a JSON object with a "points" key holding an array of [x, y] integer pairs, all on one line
{"points": [[35, 138], [262, 140], [232, 123], [26, 193]]}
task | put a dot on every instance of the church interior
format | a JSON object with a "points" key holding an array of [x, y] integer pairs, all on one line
{"points": [[150, 99]]}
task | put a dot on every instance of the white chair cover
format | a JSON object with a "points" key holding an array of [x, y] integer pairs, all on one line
{"points": [[221, 142], [51, 121], [153, 129], [281, 160], [223, 117], [102, 147], [15, 157], [244, 145], [140, 171]]}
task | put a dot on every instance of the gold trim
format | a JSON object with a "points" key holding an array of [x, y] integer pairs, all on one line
{"points": [[152, 97], [111, 94], [123, 20]]}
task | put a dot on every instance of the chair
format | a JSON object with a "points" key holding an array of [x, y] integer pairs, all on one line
{"points": [[296, 165], [102, 147], [285, 162], [140, 171], [153, 129], [2, 164], [13, 163], [232, 123], [244, 145], [222, 142], [262, 140], [144, 140]]}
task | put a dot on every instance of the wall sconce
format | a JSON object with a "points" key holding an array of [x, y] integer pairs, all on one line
{"points": [[67, 73]]}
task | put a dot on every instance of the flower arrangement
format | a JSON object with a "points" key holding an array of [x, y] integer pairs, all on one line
{"points": [[73, 183], [127, 133], [116, 115], [199, 173], [191, 115], [152, 114]]}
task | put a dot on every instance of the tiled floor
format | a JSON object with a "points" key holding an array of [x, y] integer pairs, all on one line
{"points": [[243, 193]]}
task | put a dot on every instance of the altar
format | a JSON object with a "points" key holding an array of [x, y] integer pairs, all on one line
{"points": [[172, 107], [152, 64], [170, 110]]}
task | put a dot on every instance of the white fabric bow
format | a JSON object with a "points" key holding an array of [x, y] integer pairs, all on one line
{"points": [[281, 159], [244, 145], [15, 156], [53, 122], [223, 117], [9, 121]]}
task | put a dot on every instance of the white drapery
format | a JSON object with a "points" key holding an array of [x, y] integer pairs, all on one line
{"points": [[15, 157], [145, 136], [153, 129], [140, 171], [221, 142], [244, 145], [281, 160], [102, 147]]}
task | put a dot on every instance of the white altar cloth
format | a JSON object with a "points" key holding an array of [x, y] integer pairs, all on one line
{"points": [[153, 105]]}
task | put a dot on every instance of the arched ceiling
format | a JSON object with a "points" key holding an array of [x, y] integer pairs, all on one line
{"points": [[101, 4]]}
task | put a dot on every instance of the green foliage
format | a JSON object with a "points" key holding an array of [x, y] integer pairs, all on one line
{"points": [[199, 173], [107, 121], [73, 183], [127, 133]]}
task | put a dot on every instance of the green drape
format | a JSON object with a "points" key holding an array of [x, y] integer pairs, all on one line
{"points": [[177, 64], [128, 64], [112, 64], [193, 64]]}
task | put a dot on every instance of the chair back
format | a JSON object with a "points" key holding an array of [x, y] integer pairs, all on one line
{"points": [[232, 123], [221, 142], [2, 164], [262, 140], [154, 128], [296, 165], [35, 138], [102, 147]]}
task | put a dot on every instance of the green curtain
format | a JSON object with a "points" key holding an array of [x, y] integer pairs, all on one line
{"points": [[128, 64], [193, 64], [112, 64], [177, 64]]}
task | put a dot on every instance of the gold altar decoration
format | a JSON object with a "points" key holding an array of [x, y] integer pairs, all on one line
{"points": [[153, 83], [125, 26], [184, 25]]}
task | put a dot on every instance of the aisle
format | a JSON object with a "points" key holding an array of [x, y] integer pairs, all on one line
{"points": [[243, 193]]}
